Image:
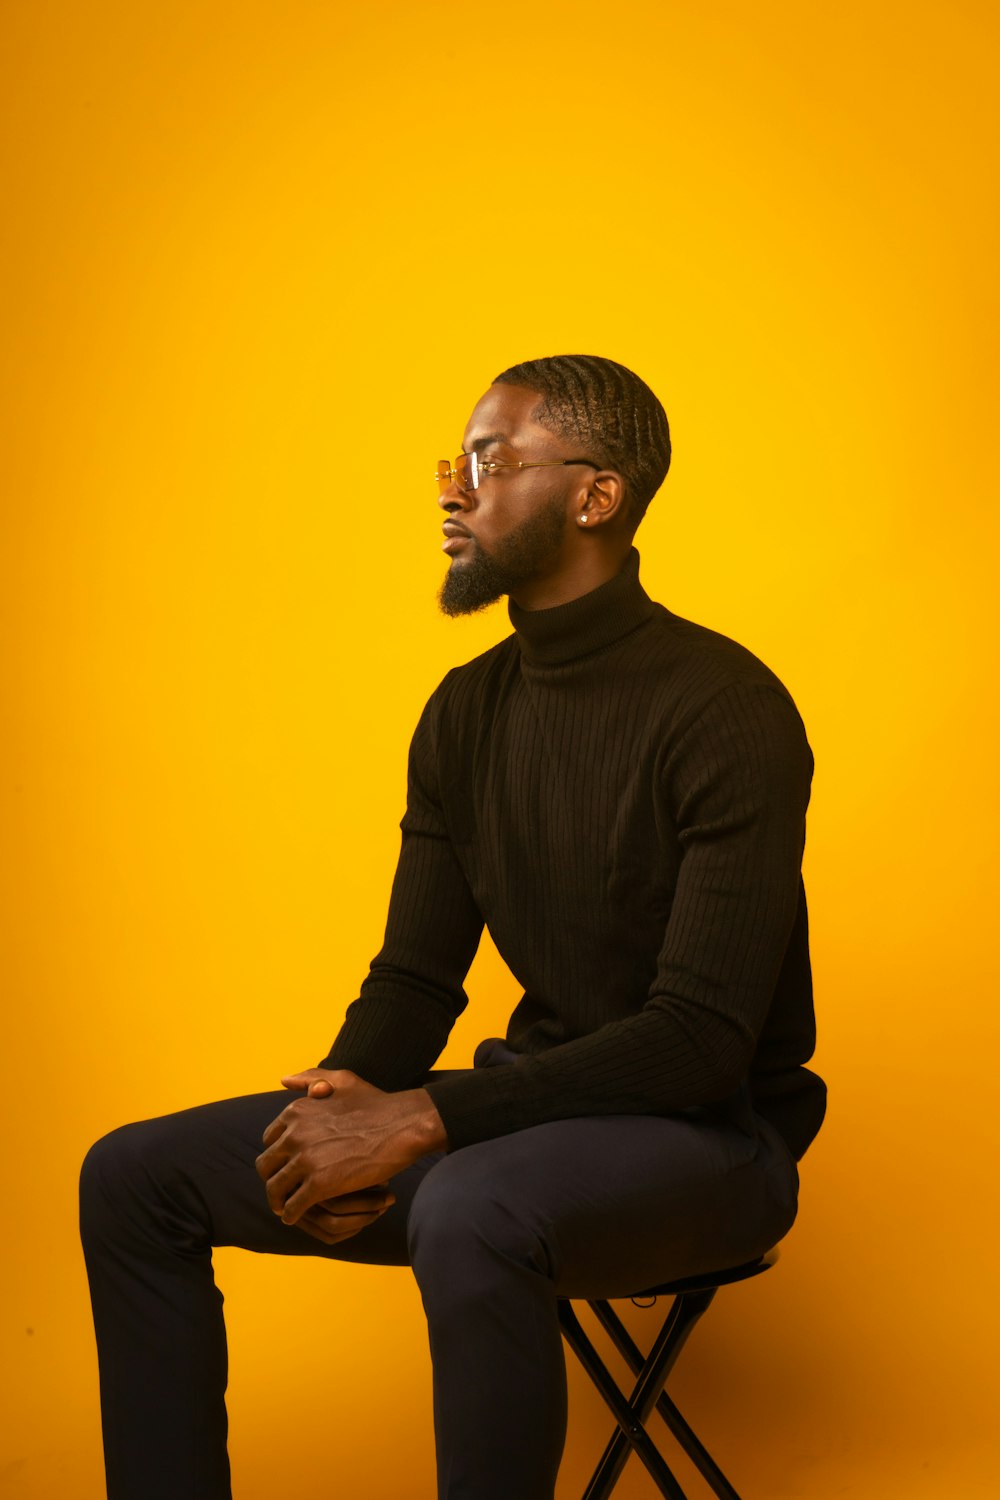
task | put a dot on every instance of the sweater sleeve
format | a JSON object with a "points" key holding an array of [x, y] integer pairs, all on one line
{"points": [[736, 785], [394, 1032]]}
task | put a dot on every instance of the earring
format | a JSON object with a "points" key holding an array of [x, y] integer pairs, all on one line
{"points": [[583, 520]]}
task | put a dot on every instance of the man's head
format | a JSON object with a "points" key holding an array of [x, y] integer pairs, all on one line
{"points": [[605, 410], [570, 450]]}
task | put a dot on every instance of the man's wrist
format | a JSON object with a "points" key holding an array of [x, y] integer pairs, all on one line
{"points": [[423, 1124]]}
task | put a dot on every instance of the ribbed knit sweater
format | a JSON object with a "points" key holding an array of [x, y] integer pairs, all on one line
{"points": [[620, 795]]}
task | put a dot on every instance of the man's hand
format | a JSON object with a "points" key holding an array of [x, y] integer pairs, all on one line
{"points": [[330, 1155], [337, 1219]]}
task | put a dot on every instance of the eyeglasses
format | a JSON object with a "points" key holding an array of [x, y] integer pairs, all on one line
{"points": [[468, 469]]}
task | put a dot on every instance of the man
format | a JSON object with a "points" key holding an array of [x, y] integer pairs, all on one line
{"points": [[621, 795]]}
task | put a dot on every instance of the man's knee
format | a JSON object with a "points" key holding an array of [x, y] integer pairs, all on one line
{"points": [[466, 1216], [120, 1170]]}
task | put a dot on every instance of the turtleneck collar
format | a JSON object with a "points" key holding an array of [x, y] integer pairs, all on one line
{"points": [[568, 631]]}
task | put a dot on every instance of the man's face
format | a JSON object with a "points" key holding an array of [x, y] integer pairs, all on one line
{"points": [[512, 529]]}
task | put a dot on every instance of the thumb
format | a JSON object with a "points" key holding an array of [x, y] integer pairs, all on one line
{"points": [[311, 1081], [302, 1080]]}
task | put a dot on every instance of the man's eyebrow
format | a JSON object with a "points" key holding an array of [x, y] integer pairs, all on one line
{"points": [[484, 442]]}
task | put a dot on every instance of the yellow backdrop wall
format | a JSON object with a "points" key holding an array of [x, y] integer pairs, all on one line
{"points": [[260, 261]]}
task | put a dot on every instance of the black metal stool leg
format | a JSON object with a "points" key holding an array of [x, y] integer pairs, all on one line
{"points": [[629, 1414], [681, 1319], [615, 1455], [692, 1295], [687, 1309], [694, 1449]]}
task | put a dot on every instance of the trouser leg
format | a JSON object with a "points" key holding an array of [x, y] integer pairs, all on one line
{"points": [[155, 1197], [593, 1207], [496, 1231]]}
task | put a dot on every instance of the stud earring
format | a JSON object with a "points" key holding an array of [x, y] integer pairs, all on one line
{"points": [[583, 520]]}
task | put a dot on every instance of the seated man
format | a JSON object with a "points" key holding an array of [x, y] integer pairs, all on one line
{"points": [[620, 795]]}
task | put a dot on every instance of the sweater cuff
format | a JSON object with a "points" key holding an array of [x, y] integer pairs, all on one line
{"points": [[487, 1102], [387, 1044]]}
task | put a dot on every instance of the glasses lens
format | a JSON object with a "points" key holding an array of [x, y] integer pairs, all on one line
{"points": [[467, 471], [464, 472], [443, 474]]}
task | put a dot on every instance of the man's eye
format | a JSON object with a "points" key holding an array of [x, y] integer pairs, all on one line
{"points": [[489, 464]]}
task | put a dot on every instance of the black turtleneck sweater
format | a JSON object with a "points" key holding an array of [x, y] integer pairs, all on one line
{"points": [[620, 795]]}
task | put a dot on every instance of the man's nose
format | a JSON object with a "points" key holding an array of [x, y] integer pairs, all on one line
{"points": [[455, 498]]}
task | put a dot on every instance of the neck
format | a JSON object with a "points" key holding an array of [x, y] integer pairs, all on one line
{"points": [[573, 578], [550, 638]]}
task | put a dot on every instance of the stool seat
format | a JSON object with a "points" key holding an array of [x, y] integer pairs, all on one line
{"points": [[711, 1278], [691, 1297]]}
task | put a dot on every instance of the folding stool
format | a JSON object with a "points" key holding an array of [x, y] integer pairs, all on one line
{"points": [[692, 1295]]}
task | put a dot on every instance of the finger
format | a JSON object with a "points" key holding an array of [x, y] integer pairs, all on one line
{"points": [[367, 1201], [268, 1162], [336, 1077], [272, 1160], [275, 1130], [308, 1192], [311, 1076], [333, 1228], [369, 1187], [343, 1228], [303, 1196], [281, 1186], [301, 1080], [316, 1229], [334, 1223], [321, 1089]]}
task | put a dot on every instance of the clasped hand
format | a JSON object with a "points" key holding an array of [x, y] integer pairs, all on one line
{"points": [[330, 1154]]}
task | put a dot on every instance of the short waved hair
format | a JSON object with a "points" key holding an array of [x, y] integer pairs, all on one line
{"points": [[608, 409]]}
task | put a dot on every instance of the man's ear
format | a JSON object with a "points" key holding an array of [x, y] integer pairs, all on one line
{"points": [[603, 499]]}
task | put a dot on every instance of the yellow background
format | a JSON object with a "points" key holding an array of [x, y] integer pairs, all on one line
{"points": [[260, 260]]}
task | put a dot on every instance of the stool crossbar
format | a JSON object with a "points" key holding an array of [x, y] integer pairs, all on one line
{"points": [[692, 1296]]}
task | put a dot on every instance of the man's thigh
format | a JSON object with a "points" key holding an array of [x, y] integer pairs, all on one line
{"points": [[612, 1203], [196, 1168]]}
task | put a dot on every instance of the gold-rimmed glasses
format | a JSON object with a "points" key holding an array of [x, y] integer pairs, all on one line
{"points": [[468, 469]]}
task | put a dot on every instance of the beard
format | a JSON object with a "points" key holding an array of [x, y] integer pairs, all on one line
{"points": [[524, 553]]}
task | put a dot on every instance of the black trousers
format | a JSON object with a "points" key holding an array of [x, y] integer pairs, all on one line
{"points": [[594, 1207]]}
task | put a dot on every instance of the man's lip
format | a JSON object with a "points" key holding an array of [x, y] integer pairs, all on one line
{"points": [[456, 536]]}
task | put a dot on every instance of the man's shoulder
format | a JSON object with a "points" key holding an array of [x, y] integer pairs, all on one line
{"points": [[719, 697], [678, 665], [688, 666]]}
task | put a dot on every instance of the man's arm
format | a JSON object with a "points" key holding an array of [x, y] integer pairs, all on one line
{"points": [[737, 785]]}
